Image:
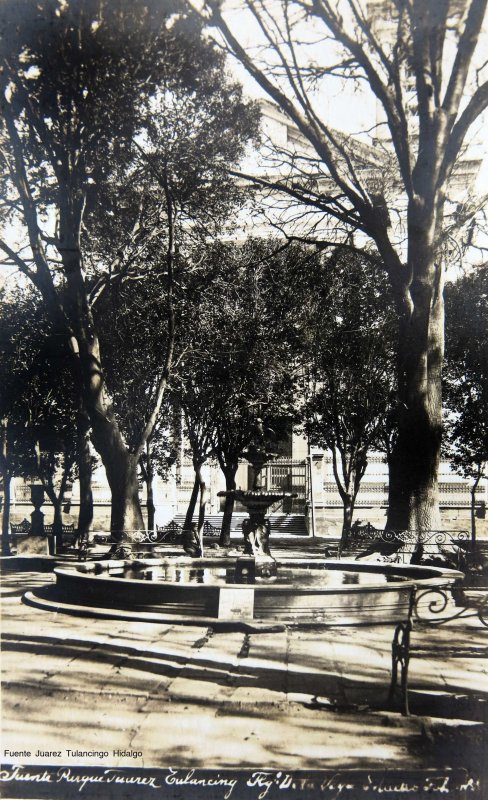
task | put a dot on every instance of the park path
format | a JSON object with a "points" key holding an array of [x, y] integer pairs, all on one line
{"points": [[188, 694]]}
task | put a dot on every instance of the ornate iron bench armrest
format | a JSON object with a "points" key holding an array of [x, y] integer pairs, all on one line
{"points": [[404, 544], [400, 654], [435, 601], [210, 530], [170, 533]]}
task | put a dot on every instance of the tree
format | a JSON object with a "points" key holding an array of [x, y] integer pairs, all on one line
{"points": [[160, 455], [15, 459], [349, 332], [132, 317], [17, 352], [199, 431], [5, 470], [466, 379], [421, 62], [80, 83], [39, 430], [238, 376]]}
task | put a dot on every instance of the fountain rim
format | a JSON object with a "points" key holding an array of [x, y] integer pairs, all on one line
{"points": [[434, 577]]}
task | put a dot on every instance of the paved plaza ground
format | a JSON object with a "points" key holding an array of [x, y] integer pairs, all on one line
{"points": [[180, 695]]}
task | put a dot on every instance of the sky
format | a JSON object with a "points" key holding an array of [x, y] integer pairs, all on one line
{"points": [[341, 104]]}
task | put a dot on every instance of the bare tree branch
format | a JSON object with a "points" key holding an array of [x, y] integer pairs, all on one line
{"points": [[475, 107], [462, 62]]}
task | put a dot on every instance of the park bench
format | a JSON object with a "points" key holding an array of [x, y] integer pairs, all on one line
{"points": [[69, 533], [19, 528], [69, 541], [210, 530], [69, 536], [429, 607], [173, 530], [142, 542], [405, 546], [171, 533]]}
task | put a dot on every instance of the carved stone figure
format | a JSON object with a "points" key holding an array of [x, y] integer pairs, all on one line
{"points": [[191, 542], [256, 537]]}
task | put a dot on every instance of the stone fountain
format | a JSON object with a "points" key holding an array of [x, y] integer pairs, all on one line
{"points": [[254, 586], [258, 562]]}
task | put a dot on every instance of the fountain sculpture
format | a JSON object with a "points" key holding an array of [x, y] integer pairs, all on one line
{"points": [[257, 501], [257, 563]]}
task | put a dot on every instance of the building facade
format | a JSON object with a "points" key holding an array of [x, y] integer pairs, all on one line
{"points": [[306, 472]]}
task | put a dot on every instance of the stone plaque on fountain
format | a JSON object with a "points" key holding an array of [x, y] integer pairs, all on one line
{"points": [[236, 603]]}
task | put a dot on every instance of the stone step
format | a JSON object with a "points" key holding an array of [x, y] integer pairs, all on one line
{"points": [[282, 524]]}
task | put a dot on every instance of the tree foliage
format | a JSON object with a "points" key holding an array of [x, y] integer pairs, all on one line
{"points": [[349, 333], [237, 379], [38, 401], [466, 377], [38, 390]]}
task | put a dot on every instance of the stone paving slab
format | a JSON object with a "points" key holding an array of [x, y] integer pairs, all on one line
{"points": [[245, 736], [213, 664]]}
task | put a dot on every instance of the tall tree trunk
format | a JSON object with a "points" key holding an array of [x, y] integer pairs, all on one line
{"points": [[120, 465], [151, 509], [85, 513], [57, 500], [202, 504], [56, 539], [347, 513], [348, 486], [193, 502], [126, 513], [57, 525], [6, 477], [473, 510], [414, 463], [230, 484], [348, 503]]}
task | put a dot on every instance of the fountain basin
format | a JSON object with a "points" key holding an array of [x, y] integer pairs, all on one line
{"points": [[256, 499], [350, 593]]}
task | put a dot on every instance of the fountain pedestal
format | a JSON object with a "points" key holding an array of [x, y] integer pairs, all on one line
{"points": [[36, 543], [257, 528], [255, 570]]}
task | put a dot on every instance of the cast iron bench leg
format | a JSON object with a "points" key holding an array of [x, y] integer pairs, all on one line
{"points": [[400, 656]]}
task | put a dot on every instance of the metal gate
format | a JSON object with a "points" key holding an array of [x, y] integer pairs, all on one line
{"points": [[287, 475]]}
